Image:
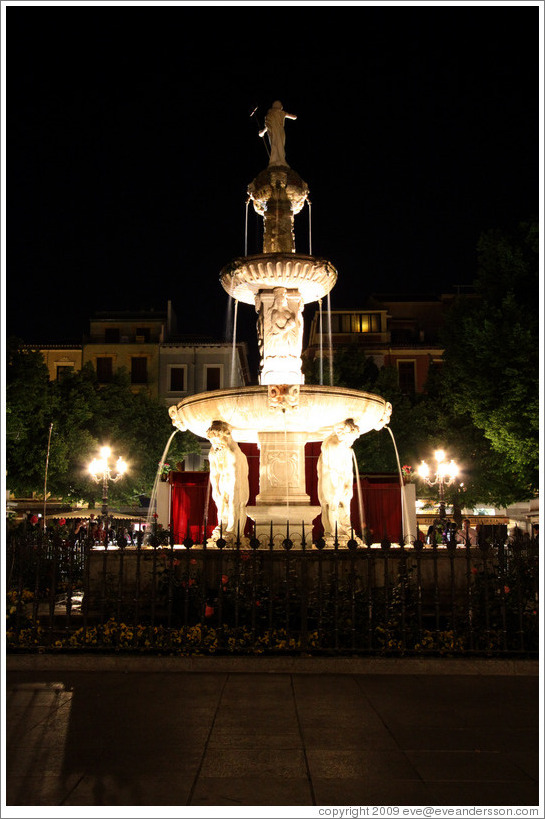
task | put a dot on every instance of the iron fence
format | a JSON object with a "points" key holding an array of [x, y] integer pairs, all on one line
{"points": [[452, 598]]}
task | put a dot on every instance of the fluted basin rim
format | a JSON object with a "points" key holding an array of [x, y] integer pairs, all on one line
{"points": [[245, 276], [247, 412]]}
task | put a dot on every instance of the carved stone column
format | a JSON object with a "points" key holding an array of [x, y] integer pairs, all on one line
{"points": [[280, 332], [278, 193], [282, 468]]}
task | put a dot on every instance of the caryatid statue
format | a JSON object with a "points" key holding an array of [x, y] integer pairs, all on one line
{"points": [[280, 335], [274, 127], [336, 480], [228, 480]]}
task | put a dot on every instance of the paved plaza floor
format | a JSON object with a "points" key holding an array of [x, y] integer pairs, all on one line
{"points": [[259, 739]]}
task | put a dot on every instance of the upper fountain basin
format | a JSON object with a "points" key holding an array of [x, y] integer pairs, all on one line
{"points": [[247, 411], [244, 277]]}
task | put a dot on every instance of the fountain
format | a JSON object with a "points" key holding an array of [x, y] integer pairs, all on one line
{"points": [[282, 414]]}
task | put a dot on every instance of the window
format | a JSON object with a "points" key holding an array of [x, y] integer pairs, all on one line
{"points": [[63, 370], [142, 334], [177, 379], [406, 372], [354, 323], [105, 369], [213, 378], [111, 335], [139, 370]]}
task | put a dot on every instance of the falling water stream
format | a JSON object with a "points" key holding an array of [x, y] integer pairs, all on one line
{"points": [[229, 319], [287, 465], [400, 482], [152, 510], [330, 339], [321, 344], [233, 351], [206, 505], [246, 229], [309, 227], [360, 497]]}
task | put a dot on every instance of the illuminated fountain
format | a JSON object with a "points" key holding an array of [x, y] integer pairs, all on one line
{"points": [[282, 414]]}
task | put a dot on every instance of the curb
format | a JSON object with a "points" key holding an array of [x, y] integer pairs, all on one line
{"points": [[274, 665]]}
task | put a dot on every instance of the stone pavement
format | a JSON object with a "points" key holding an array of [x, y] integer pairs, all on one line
{"points": [[144, 735]]}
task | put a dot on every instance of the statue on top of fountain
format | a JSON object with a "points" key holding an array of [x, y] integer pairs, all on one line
{"points": [[336, 480], [229, 482], [274, 127]]}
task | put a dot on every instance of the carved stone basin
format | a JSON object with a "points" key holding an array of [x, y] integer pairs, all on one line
{"points": [[248, 412], [312, 277]]}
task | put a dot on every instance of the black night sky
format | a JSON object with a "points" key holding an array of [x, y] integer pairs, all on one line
{"points": [[129, 146]]}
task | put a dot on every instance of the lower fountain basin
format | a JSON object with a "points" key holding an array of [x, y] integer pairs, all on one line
{"points": [[247, 411]]}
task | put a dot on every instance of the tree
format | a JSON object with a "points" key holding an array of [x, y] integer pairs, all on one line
{"points": [[491, 358], [483, 477], [28, 412], [138, 426], [84, 416]]}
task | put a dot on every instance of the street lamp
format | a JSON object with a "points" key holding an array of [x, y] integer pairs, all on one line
{"points": [[100, 470], [445, 474]]}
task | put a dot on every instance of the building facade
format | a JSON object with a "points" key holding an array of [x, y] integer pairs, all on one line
{"points": [[129, 340], [60, 359], [394, 331], [147, 345]]}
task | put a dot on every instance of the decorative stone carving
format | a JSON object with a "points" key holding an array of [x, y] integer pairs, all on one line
{"points": [[336, 480], [282, 468], [313, 277], [384, 420], [228, 480], [278, 193], [247, 411], [283, 396], [274, 127], [280, 335], [177, 415]]}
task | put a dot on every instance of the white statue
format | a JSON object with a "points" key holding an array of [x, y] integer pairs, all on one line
{"points": [[274, 127], [336, 480], [285, 327], [228, 480]]}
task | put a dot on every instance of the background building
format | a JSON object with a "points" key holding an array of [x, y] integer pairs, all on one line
{"points": [[394, 330], [60, 359]]}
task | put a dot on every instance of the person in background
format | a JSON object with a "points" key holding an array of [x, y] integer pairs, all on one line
{"points": [[467, 534]]}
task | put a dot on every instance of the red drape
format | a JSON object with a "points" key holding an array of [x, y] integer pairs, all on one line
{"points": [[252, 456], [382, 507], [381, 497], [189, 494]]}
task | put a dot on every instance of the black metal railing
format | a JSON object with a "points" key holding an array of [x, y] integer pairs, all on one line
{"points": [[254, 597]]}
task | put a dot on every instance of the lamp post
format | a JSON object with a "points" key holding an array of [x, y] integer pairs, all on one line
{"points": [[445, 474], [100, 470]]}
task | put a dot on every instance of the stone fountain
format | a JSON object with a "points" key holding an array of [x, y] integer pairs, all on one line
{"points": [[282, 414]]}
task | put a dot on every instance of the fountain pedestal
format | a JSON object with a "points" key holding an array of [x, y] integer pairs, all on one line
{"points": [[282, 498], [283, 518], [282, 469]]}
